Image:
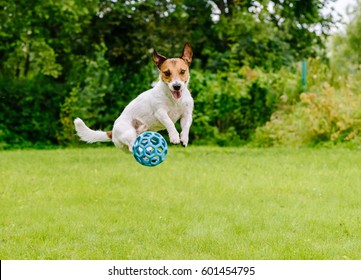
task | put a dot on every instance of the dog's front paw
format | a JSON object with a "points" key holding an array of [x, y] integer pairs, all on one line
{"points": [[174, 138], [184, 139]]}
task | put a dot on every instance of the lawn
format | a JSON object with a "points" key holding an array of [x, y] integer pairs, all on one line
{"points": [[201, 203]]}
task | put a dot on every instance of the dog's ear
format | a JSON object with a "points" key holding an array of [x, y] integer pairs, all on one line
{"points": [[158, 59], [187, 53]]}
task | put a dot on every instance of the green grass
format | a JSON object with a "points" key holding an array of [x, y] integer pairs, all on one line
{"points": [[201, 203]]}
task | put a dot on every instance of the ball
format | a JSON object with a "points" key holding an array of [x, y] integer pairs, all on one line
{"points": [[150, 148]]}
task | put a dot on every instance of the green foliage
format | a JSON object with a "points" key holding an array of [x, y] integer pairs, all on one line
{"points": [[131, 29], [38, 37], [253, 42], [327, 113], [303, 25], [345, 46], [29, 112], [99, 93], [270, 34], [230, 106], [328, 116], [89, 58], [86, 97]]}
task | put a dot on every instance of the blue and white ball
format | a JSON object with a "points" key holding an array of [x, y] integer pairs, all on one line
{"points": [[150, 148]]}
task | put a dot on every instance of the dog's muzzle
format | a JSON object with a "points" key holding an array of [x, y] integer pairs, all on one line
{"points": [[176, 92]]}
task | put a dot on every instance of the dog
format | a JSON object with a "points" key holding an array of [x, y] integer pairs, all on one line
{"points": [[155, 109]]}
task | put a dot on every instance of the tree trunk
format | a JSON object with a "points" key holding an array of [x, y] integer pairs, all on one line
{"points": [[27, 62]]}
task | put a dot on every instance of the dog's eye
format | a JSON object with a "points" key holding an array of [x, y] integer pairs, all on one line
{"points": [[167, 73], [182, 71]]}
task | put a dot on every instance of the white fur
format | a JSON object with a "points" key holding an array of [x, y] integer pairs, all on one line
{"points": [[88, 135], [153, 110]]}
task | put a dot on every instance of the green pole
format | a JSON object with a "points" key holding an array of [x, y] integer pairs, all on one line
{"points": [[304, 74]]}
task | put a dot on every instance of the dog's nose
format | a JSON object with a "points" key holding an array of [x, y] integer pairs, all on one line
{"points": [[176, 87]]}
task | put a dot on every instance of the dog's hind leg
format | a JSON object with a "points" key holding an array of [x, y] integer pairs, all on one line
{"points": [[124, 134]]}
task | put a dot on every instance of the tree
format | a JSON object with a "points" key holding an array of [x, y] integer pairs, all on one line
{"points": [[74, 55], [271, 33], [345, 46], [131, 29], [41, 37]]}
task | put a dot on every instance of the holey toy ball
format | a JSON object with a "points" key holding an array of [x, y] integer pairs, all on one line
{"points": [[150, 148]]}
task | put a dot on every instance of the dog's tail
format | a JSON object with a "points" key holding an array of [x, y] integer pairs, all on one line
{"points": [[91, 136]]}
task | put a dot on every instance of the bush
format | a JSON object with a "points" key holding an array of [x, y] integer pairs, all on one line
{"points": [[39, 111], [29, 112], [331, 115], [99, 93], [229, 106], [86, 97]]}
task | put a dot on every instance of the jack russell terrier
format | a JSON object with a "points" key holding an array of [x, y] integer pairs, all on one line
{"points": [[155, 109]]}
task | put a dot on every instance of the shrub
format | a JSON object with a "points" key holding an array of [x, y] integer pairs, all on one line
{"points": [[229, 106], [331, 115], [86, 97], [99, 93], [29, 112]]}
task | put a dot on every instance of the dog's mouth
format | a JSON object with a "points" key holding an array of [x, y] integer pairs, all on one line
{"points": [[176, 94]]}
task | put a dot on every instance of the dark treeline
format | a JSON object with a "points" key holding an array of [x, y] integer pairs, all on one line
{"points": [[89, 58]]}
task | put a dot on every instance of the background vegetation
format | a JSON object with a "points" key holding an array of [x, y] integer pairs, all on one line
{"points": [[89, 58]]}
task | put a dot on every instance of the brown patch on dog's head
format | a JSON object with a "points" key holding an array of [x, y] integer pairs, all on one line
{"points": [[174, 68]]}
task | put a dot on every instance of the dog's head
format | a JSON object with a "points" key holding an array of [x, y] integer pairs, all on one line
{"points": [[174, 72]]}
